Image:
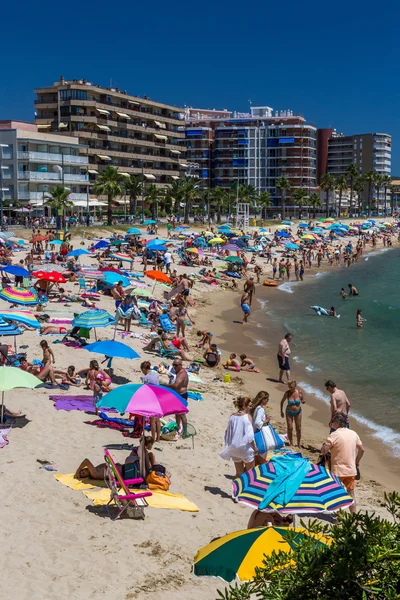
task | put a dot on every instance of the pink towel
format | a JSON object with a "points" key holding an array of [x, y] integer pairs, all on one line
{"points": [[3, 437]]}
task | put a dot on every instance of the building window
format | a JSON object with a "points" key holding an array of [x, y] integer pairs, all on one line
{"points": [[73, 95], [8, 152]]}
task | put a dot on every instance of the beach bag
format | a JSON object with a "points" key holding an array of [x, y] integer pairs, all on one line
{"points": [[158, 480], [273, 440], [260, 441]]}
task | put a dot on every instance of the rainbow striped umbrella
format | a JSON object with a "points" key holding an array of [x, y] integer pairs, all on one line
{"points": [[20, 316], [320, 491], [121, 256], [18, 295], [93, 318]]}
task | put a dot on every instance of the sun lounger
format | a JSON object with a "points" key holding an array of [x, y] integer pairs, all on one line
{"points": [[120, 494], [160, 350], [166, 323]]}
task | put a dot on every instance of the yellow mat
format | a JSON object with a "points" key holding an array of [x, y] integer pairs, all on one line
{"points": [[99, 494]]}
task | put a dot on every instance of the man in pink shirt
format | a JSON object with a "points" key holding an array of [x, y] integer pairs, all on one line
{"points": [[346, 452]]}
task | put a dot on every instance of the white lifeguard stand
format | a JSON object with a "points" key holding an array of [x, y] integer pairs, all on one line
{"points": [[242, 215]]}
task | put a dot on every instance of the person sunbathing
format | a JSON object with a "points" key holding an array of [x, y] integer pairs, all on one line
{"points": [[247, 364], [69, 376], [42, 373], [263, 519], [49, 329], [129, 470]]}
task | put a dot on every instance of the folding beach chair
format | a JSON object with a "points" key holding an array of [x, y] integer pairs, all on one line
{"points": [[120, 494], [189, 432], [82, 285]]}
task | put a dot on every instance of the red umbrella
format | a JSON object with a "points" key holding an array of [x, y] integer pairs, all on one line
{"points": [[38, 238], [111, 270], [53, 276]]}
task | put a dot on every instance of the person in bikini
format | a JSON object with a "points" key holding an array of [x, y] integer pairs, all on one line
{"points": [[294, 399], [211, 356], [232, 364]]}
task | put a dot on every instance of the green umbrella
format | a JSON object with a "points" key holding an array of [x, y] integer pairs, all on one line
{"points": [[234, 259], [11, 378], [141, 292]]}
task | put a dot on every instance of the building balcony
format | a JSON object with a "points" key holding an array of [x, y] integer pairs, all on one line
{"points": [[46, 176], [40, 195], [53, 158]]}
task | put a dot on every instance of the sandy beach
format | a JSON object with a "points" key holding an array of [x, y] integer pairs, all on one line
{"points": [[56, 544]]}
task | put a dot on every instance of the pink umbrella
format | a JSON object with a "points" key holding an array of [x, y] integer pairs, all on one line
{"points": [[145, 400]]}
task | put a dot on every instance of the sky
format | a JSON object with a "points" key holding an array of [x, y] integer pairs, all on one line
{"points": [[335, 63]]}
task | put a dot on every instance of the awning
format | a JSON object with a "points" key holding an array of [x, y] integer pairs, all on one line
{"points": [[125, 174], [103, 111], [103, 157], [176, 151], [103, 127], [162, 125], [184, 165], [97, 203], [123, 115], [132, 102], [149, 176], [160, 137], [44, 126], [174, 177], [62, 125], [92, 171]]}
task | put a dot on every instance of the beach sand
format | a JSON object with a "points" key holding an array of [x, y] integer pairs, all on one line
{"points": [[55, 544]]}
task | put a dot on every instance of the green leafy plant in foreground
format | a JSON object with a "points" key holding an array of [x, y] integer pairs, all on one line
{"points": [[362, 563]]}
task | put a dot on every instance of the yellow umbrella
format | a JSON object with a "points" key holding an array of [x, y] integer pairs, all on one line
{"points": [[216, 241], [194, 250]]}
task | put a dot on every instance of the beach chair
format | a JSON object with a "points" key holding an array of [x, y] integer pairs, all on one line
{"points": [[189, 432], [166, 323], [160, 350], [143, 320], [120, 494], [82, 285]]}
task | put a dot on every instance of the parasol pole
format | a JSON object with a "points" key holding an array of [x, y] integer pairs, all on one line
{"points": [[2, 407]]}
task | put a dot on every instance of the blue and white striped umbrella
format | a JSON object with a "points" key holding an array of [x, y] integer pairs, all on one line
{"points": [[93, 318], [8, 328]]}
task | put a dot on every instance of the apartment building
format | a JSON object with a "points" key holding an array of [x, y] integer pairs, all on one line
{"points": [[255, 148], [137, 135], [368, 151], [33, 163]]}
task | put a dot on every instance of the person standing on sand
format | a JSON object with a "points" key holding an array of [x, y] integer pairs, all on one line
{"points": [[339, 401], [274, 268], [245, 305], [180, 385], [294, 399], [250, 288], [346, 451], [239, 438], [283, 357]]}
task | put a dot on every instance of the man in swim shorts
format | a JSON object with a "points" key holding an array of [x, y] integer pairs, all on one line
{"points": [[339, 401], [245, 304], [283, 357]]}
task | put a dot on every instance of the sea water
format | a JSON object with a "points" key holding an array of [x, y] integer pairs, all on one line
{"points": [[362, 361]]}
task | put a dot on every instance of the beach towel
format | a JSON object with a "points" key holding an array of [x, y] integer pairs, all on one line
{"points": [[290, 473], [100, 494], [192, 395], [166, 323], [84, 403], [3, 437]]}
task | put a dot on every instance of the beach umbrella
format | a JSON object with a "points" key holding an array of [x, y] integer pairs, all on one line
{"points": [[234, 259], [7, 234], [78, 252], [134, 231], [194, 250], [239, 554], [93, 318], [216, 240], [36, 238], [7, 329], [283, 233], [145, 293], [53, 276], [52, 267], [231, 247], [122, 257], [149, 222], [55, 242], [110, 278], [158, 276], [111, 269], [20, 316], [156, 242], [319, 491], [302, 225], [11, 378], [101, 244], [291, 247], [145, 400], [158, 248], [286, 222], [18, 295], [15, 270], [318, 230], [112, 349]]}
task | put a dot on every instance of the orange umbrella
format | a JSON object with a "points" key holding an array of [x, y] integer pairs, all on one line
{"points": [[158, 276], [38, 238]]}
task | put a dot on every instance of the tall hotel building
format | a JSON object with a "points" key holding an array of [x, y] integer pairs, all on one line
{"points": [[255, 148], [137, 135]]}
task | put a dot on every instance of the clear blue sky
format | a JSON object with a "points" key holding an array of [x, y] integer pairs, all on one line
{"points": [[335, 63]]}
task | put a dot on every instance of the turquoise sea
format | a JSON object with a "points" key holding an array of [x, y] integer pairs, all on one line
{"points": [[364, 362]]}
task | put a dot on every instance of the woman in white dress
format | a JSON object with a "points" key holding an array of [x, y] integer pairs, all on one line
{"points": [[260, 419], [239, 438]]}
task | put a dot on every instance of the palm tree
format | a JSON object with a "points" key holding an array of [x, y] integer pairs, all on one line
{"points": [[133, 186], [264, 201], [370, 178], [351, 174], [387, 184], [314, 201], [190, 192], [283, 185], [298, 196], [247, 193], [341, 186], [109, 183], [219, 197], [152, 195], [58, 199], [359, 185], [327, 184], [177, 192]]}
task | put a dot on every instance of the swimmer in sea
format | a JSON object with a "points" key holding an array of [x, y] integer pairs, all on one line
{"points": [[332, 312], [353, 290], [360, 320], [343, 294]]}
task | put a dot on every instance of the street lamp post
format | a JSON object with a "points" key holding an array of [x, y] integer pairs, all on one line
{"points": [[141, 162], [1, 181]]}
